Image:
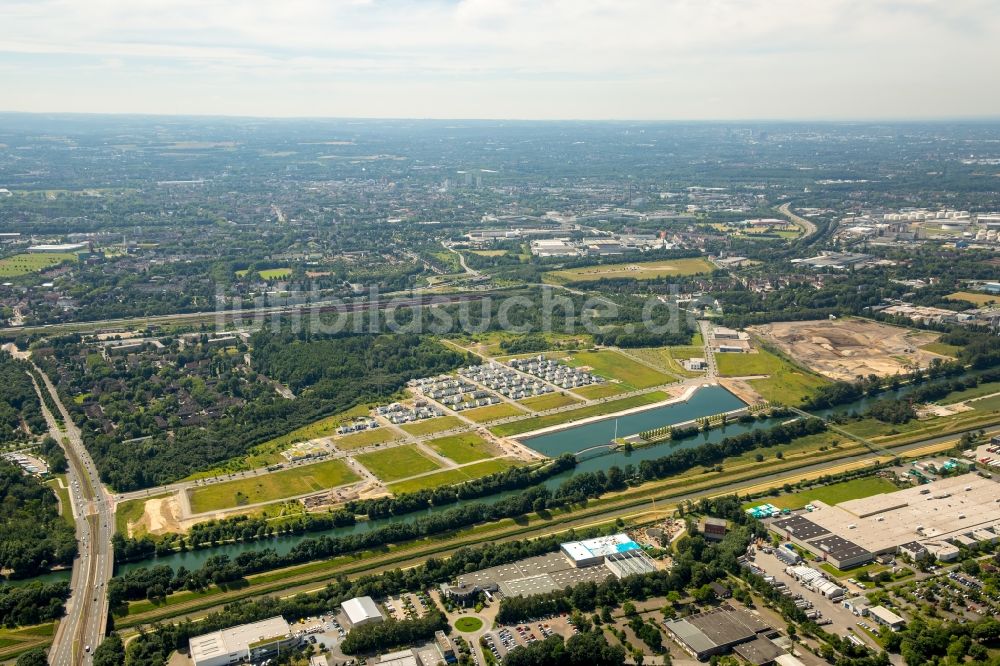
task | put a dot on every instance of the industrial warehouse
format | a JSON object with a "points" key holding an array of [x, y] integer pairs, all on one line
{"points": [[718, 631], [576, 562], [248, 642], [932, 519]]}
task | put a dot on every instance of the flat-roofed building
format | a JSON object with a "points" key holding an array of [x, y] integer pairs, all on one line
{"points": [[886, 617], [718, 631], [713, 528], [361, 611], [593, 551], [246, 642], [920, 519], [57, 248], [401, 658]]}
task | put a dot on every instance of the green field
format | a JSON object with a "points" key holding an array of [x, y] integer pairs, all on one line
{"points": [[786, 384], [488, 343], [831, 494], [465, 448], [492, 412], [271, 487], [986, 388], [976, 299], [399, 462], [669, 358], [540, 403], [16, 641], [987, 404], [595, 391], [647, 270], [269, 273], [365, 438], [452, 476], [941, 348], [25, 264], [534, 423], [427, 426], [468, 624], [612, 365], [65, 508]]}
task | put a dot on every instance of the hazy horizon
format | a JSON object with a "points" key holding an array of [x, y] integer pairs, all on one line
{"points": [[641, 60]]}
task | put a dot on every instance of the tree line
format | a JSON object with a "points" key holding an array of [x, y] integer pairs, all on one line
{"points": [[20, 412], [32, 603]]}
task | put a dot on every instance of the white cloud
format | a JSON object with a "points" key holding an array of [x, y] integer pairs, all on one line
{"points": [[555, 58]]}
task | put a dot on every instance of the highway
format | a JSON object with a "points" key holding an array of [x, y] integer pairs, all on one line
{"points": [[84, 625], [807, 225]]}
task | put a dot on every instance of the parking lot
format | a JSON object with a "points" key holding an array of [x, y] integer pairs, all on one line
{"points": [[326, 631], [504, 639], [841, 621]]}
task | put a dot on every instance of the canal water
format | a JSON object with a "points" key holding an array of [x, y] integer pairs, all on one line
{"points": [[706, 401]]}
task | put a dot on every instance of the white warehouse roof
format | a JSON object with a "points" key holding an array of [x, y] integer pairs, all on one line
{"points": [[361, 609], [236, 640], [600, 547]]}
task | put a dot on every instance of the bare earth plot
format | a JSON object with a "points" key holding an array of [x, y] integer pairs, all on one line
{"points": [[648, 270], [842, 349]]}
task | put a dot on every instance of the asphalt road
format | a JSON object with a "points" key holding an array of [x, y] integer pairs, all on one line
{"points": [[84, 625]]}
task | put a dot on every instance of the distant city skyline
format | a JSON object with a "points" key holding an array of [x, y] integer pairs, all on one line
{"points": [[495, 59]]}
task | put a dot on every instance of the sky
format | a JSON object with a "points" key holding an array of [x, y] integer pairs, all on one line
{"points": [[541, 59]]}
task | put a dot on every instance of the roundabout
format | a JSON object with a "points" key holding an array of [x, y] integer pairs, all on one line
{"points": [[468, 624]]}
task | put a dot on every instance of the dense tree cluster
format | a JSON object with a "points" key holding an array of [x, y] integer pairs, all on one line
{"points": [[33, 657], [391, 634], [20, 412], [54, 454], [925, 642], [191, 408], [111, 652], [32, 603], [892, 411], [585, 649], [33, 537]]}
